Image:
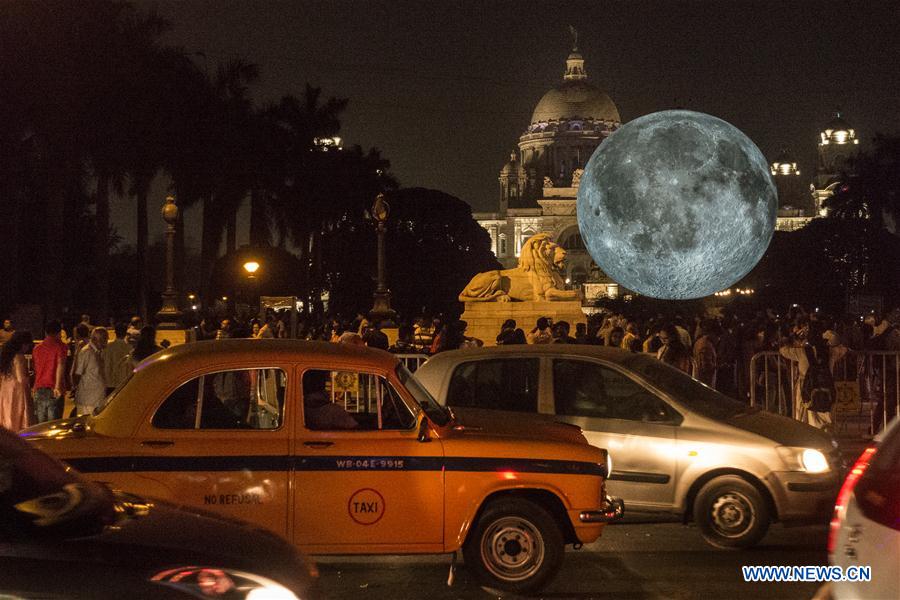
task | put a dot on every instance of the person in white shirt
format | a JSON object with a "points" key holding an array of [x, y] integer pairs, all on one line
{"points": [[89, 379]]}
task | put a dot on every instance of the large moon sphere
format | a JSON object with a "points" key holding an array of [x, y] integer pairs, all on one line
{"points": [[677, 204]]}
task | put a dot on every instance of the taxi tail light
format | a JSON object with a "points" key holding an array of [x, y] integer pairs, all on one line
{"points": [[853, 477]]}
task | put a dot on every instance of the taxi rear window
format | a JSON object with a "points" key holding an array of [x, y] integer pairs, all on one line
{"points": [[234, 399]]}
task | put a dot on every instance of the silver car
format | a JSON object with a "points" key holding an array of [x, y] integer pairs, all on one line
{"points": [[677, 446]]}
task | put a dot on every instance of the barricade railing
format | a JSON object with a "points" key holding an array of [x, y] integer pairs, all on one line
{"points": [[412, 361], [867, 385]]}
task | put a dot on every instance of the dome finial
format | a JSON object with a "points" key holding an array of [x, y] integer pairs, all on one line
{"points": [[575, 62]]}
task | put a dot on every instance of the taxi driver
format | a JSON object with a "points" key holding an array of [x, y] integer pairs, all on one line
{"points": [[320, 412]]}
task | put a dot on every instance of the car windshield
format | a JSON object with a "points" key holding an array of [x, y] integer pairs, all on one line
{"points": [[114, 393], [39, 495], [684, 389], [437, 413]]}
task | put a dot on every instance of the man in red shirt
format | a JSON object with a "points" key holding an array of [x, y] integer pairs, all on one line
{"points": [[49, 359]]}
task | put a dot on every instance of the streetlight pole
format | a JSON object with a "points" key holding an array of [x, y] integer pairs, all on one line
{"points": [[381, 309], [169, 316], [251, 267]]}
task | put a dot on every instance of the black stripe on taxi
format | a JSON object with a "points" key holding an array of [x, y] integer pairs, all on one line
{"points": [[114, 464]]}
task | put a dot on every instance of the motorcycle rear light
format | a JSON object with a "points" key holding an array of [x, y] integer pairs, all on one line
{"points": [[840, 507]]}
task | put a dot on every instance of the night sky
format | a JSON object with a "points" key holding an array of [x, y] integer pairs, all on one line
{"points": [[444, 89]]}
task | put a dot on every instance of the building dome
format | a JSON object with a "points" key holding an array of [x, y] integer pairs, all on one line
{"points": [[784, 165], [575, 99], [511, 165], [838, 131]]}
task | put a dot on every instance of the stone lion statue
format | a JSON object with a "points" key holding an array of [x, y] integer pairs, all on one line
{"points": [[538, 276]]}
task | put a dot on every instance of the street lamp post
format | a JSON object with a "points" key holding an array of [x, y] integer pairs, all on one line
{"points": [[250, 268], [381, 309], [169, 316]]}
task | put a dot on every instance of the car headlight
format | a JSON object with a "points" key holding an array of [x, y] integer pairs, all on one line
{"points": [[814, 461], [803, 459], [209, 582]]}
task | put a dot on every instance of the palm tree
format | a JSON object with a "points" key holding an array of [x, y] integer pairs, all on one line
{"points": [[299, 205], [226, 164], [154, 138]]}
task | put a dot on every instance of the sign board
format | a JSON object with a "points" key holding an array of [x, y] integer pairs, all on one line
{"points": [[344, 382], [848, 396]]}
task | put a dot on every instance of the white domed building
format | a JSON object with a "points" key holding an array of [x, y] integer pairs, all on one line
{"points": [[838, 145], [539, 182]]}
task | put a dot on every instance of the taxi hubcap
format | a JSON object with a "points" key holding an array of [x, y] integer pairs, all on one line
{"points": [[512, 549], [732, 514]]}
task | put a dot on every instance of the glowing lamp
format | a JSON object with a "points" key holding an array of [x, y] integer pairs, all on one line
{"points": [[251, 266]]}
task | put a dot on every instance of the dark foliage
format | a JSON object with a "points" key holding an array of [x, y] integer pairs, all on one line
{"points": [[823, 262], [433, 248]]}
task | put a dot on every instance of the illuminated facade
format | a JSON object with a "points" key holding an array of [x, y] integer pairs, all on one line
{"points": [[795, 207], [838, 145], [539, 183]]}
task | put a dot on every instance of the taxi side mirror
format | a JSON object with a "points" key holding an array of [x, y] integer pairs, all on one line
{"points": [[423, 435]]}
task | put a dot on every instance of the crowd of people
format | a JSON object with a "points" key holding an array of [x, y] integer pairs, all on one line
{"points": [[717, 351], [84, 367]]}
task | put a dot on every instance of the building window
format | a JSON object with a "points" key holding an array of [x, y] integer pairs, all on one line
{"points": [[502, 245]]}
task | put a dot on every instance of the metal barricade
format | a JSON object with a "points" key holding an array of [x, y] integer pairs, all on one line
{"points": [[776, 377], [412, 361], [867, 384]]}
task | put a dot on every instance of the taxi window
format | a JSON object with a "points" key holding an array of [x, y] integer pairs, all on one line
{"points": [[352, 400], [234, 399], [585, 389], [503, 384]]}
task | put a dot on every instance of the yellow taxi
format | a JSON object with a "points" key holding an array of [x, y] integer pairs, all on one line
{"points": [[341, 451]]}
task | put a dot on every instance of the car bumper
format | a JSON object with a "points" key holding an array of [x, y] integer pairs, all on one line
{"points": [[803, 497], [613, 510]]}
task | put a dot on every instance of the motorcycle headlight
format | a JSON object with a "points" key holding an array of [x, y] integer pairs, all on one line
{"points": [[210, 582], [803, 459]]}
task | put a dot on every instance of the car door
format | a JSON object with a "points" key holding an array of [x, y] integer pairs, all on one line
{"points": [[363, 482], [636, 426], [220, 441]]}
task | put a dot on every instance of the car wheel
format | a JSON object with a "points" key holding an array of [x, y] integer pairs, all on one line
{"points": [[731, 513], [515, 546]]}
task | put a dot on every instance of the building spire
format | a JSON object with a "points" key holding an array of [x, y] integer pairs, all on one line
{"points": [[575, 62]]}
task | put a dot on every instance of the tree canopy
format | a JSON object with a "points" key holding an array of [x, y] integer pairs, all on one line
{"points": [[95, 107]]}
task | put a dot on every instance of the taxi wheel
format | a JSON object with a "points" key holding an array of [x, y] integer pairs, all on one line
{"points": [[731, 513], [515, 546]]}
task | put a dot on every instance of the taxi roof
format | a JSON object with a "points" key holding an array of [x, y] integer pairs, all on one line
{"points": [[260, 349]]}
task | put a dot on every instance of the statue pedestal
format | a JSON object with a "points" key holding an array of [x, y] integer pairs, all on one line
{"points": [[174, 336], [485, 318]]}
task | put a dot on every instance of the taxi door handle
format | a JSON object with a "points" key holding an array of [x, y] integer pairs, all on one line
{"points": [[318, 444], [158, 443]]}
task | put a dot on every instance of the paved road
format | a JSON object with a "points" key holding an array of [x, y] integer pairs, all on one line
{"points": [[631, 561]]}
